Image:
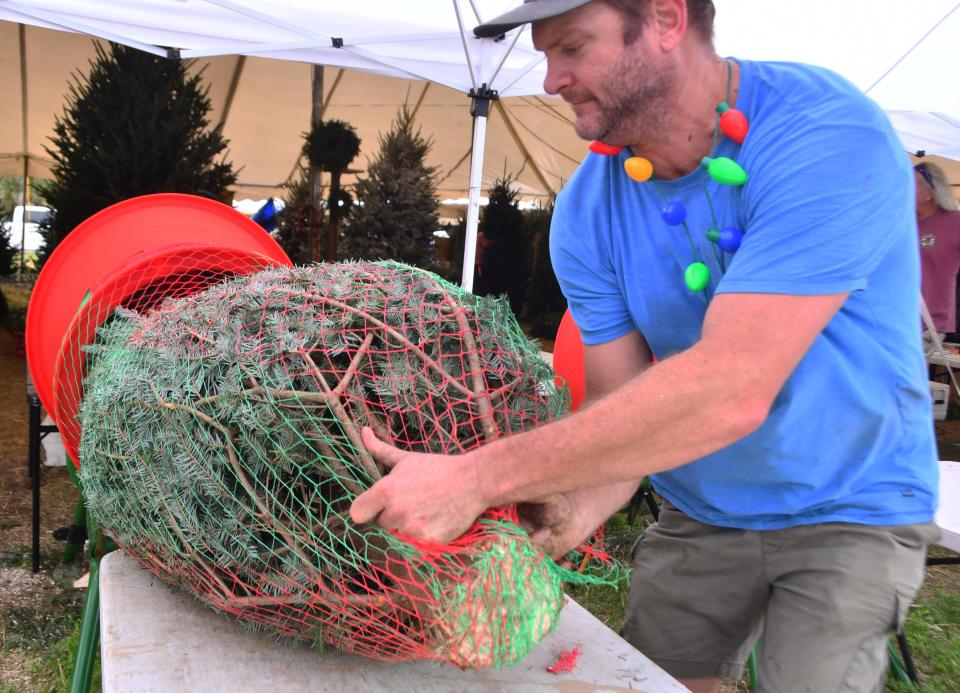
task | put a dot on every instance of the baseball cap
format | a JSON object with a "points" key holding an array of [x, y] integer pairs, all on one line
{"points": [[529, 11]]}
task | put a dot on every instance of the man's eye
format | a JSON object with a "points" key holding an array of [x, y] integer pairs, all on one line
{"points": [[570, 50]]}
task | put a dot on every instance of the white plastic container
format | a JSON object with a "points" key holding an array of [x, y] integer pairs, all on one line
{"points": [[940, 392]]}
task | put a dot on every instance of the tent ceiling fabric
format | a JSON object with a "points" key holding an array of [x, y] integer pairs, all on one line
{"points": [[898, 52], [420, 40], [880, 45], [270, 111]]}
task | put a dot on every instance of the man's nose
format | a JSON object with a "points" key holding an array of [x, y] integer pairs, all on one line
{"points": [[556, 80]]}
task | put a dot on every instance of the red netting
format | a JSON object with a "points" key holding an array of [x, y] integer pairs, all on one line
{"points": [[109, 241], [221, 447], [139, 285]]}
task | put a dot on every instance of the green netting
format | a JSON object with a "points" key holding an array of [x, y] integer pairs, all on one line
{"points": [[221, 448]]}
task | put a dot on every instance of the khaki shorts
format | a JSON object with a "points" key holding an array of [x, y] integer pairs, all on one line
{"points": [[825, 597]]}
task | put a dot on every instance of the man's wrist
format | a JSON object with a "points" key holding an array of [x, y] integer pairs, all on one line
{"points": [[481, 471]]}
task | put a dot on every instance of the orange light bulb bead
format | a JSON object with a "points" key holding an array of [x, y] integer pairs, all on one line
{"points": [[638, 168]]}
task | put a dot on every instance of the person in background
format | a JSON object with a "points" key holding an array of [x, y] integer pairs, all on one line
{"points": [[938, 222], [786, 421]]}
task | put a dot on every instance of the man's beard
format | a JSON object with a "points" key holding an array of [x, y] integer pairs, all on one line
{"points": [[626, 117]]}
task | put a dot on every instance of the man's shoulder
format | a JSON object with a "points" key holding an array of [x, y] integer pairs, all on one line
{"points": [[817, 107], [778, 74], [588, 184], [800, 89], [587, 207]]}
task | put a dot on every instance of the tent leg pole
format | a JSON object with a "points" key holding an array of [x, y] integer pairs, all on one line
{"points": [[479, 109]]}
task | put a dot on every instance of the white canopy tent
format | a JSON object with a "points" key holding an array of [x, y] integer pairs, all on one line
{"points": [[429, 41], [899, 53], [264, 107]]}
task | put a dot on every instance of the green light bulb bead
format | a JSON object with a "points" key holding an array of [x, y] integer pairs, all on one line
{"points": [[724, 170], [696, 276]]}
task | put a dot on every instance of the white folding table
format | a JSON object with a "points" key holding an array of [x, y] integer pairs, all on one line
{"points": [[948, 511], [156, 639]]}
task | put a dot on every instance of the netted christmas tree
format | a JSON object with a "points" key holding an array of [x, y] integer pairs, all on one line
{"points": [[221, 448]]}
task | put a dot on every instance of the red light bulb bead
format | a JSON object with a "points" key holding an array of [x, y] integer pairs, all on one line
{"points": [[598, 147], [733, 123]]}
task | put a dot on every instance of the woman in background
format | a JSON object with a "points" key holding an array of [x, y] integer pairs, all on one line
{"points": [[938, 222]]}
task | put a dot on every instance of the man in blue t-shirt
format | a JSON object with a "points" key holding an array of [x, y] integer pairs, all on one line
{"points": [[787, 421]]}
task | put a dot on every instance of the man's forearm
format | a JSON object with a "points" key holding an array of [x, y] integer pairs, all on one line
{"points": [[601, 502], [685, 407], [632, 432]]}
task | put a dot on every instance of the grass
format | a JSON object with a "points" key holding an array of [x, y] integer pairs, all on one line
{"points": [[608, 602], [44, 635], [933, 630], [17, 295], [39, 632], [56, 665]]}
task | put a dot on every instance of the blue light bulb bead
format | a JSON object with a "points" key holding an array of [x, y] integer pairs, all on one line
{"points": [[728, 238], [674, 213]]}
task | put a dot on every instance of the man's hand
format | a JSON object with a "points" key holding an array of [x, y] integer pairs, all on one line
{"points": [[556, 522], [430, 497], [561, 522]]}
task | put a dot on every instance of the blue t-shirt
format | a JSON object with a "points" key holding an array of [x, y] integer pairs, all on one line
{"points": [[828, 208]]}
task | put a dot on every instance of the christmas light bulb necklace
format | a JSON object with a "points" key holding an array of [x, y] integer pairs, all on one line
{"points": [[732, 123]]}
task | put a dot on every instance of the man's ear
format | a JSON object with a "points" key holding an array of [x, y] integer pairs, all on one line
{"points": [[669, 21]]}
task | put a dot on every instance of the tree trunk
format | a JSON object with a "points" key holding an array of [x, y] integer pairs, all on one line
{"points": [[333, 216], [316, 179]]}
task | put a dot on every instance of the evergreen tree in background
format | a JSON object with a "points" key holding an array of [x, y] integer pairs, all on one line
{"points": [[11, 193], [9, 252], [543, 302], [330, 146], [137, 124], [397, 206], [7, 203], [451, 266], [504, 267], [294, 221]]}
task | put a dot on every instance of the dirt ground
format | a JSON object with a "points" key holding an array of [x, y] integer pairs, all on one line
{"points": [[57, 495], [47, 601], [35, 609]]}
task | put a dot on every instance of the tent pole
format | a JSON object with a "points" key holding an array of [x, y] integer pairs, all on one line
{"points": [[23, 215], [315, 180], [479, 109], [26, 143]]}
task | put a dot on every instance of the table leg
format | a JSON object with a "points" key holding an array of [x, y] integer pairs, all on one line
{"points": [[89, 633], [34, 462]]}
